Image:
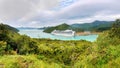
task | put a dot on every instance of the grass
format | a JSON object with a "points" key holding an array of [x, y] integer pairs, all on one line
{"points": [[21, 61]]}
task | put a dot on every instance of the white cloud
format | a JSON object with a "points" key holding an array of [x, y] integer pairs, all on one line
{"points": [[15, 10], [42, 13]]}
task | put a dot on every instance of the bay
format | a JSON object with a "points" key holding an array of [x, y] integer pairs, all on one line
{"points": [[35, 33]]}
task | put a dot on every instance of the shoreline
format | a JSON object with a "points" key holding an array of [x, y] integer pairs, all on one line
{"points": [[84, 33]]}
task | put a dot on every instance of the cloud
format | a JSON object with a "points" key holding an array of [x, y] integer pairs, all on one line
{"points": [[37, 13], [14, 9], [88, 8]]}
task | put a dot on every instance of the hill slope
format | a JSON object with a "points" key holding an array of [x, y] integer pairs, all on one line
{"points": [[20, 51], [94, 26], [97, 26], [7, 27], [59, 27]]}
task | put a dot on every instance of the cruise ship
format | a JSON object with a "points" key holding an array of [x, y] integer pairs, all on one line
{"points": [[63, 33]]}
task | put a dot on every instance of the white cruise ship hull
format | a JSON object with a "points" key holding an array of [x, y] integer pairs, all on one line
{"points": [[63, 33]]}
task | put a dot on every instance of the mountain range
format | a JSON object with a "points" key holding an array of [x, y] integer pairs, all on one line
{"points": [[97, 26]]}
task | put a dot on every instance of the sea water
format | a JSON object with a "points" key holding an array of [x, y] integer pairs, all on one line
{"points": [[35, 33]]}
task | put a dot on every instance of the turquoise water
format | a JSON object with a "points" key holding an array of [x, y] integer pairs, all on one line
{"points": [[34, 33]]}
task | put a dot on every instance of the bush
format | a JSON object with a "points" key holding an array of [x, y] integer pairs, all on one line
{"points": [[2, 47]]}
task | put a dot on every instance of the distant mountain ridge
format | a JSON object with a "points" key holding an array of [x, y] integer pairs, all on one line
{"points": [[97, 26], [94, 25]]}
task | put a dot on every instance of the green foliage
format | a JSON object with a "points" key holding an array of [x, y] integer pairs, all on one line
{"points": [[101, 29], [62, 27], [49, 29], [76, 29], [59, 27], [2, 47], [17, 61], [26, 45], [16, 43], [103, 53], [7, 27], [112, 36], [97, 26], [108, 45], [115, 31]]}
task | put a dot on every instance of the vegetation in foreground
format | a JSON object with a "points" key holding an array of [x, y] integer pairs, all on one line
{"points": [[21, 51]]}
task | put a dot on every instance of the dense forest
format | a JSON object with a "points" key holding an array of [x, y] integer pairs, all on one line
{"points": [[21, 51], [96, 26], [63, 26]]}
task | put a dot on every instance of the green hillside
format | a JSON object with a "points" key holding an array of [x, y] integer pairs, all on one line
{"points": [[21, 51], [96, 26], [7, 27], [59, 27]]}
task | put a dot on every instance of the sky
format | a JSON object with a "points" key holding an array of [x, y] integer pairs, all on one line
{"points": [[40, 13]]}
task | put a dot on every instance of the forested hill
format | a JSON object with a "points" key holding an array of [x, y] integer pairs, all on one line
{"points": [[97, 26], [94, 26], [21, 51], [7, 27], [59, 27]]}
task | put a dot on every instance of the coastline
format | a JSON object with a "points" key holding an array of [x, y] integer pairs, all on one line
{"points": [[84, 33]]}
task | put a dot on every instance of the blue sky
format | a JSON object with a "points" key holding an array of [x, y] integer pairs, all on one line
{"points": [[39, 13]]}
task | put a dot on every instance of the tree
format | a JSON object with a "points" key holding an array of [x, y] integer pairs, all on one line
{"points": [[115, 31], [2, 47]]}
